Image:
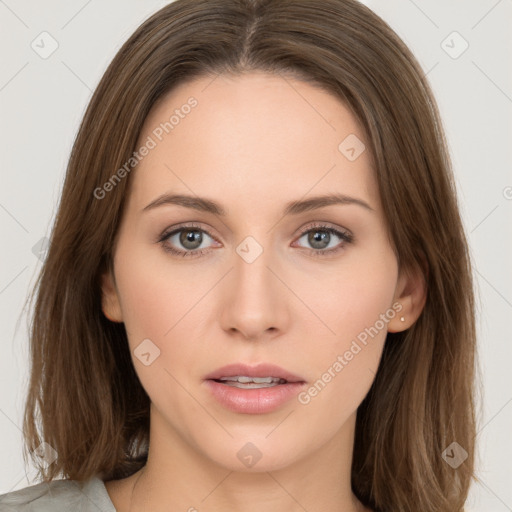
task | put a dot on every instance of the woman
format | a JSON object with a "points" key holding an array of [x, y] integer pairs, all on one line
{"points": [[258, 291]]}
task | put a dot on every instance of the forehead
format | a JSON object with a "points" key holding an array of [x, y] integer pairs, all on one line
{"points": [[252, 135]]}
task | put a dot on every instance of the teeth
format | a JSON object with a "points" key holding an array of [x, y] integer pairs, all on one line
{"points": [[253, 380]]}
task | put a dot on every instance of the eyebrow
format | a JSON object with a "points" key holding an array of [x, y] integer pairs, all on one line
{"points": [[292, 208]]}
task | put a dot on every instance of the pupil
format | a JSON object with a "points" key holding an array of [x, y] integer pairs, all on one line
{"points": [[191, 237], [319, 237]]}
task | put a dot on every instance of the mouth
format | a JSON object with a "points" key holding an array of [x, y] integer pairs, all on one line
{"points": [[247, 376], [253, 389]]}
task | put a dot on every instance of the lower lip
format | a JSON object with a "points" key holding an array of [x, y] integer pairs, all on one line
{"points": [[254, 401]]}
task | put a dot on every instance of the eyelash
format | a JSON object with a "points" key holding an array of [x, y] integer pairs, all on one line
{"points": [[346, 237]]}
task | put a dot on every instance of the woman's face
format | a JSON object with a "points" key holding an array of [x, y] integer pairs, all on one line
{"points": [[261, 282]]}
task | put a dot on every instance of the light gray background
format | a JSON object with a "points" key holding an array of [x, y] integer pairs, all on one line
{"points": [[43, 100]]}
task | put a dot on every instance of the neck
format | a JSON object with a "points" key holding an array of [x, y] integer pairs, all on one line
{"points": [[179, 477]]}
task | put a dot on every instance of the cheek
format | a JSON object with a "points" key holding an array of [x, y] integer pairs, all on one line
{"points": [[356, 307], [151, 290], [147, 302], [163, 301], [156, 307], [347, 299]]}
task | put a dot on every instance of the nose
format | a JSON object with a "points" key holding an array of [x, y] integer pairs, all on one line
{"points": [[254, 302]]}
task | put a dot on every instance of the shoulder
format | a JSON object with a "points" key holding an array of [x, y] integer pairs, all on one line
{"points": [[59, 496]]}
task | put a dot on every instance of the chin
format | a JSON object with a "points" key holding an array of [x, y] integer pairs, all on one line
{"points": [[254, 454]]}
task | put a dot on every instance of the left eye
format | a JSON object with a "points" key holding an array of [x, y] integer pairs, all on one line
{"points": [[320, 238]]}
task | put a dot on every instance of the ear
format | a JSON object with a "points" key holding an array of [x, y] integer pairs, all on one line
{"points": [[110, 304], [411, 293]]}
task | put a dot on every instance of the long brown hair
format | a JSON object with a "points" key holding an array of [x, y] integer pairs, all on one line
{"points": [[85, 399]]}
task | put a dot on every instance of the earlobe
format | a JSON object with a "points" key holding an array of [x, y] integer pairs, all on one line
{"points": [[109, 298], [411, 294]]}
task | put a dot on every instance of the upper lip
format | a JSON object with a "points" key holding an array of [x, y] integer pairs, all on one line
{"points": [[259, 370]]}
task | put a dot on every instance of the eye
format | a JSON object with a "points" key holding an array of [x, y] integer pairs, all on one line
{"points": [[322, 239], [191, 238]]}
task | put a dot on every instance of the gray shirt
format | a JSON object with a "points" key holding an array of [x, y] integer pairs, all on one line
{"points": [[59, 496]]}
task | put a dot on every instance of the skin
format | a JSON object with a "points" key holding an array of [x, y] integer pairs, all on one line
{"points": [[253, 143]]}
